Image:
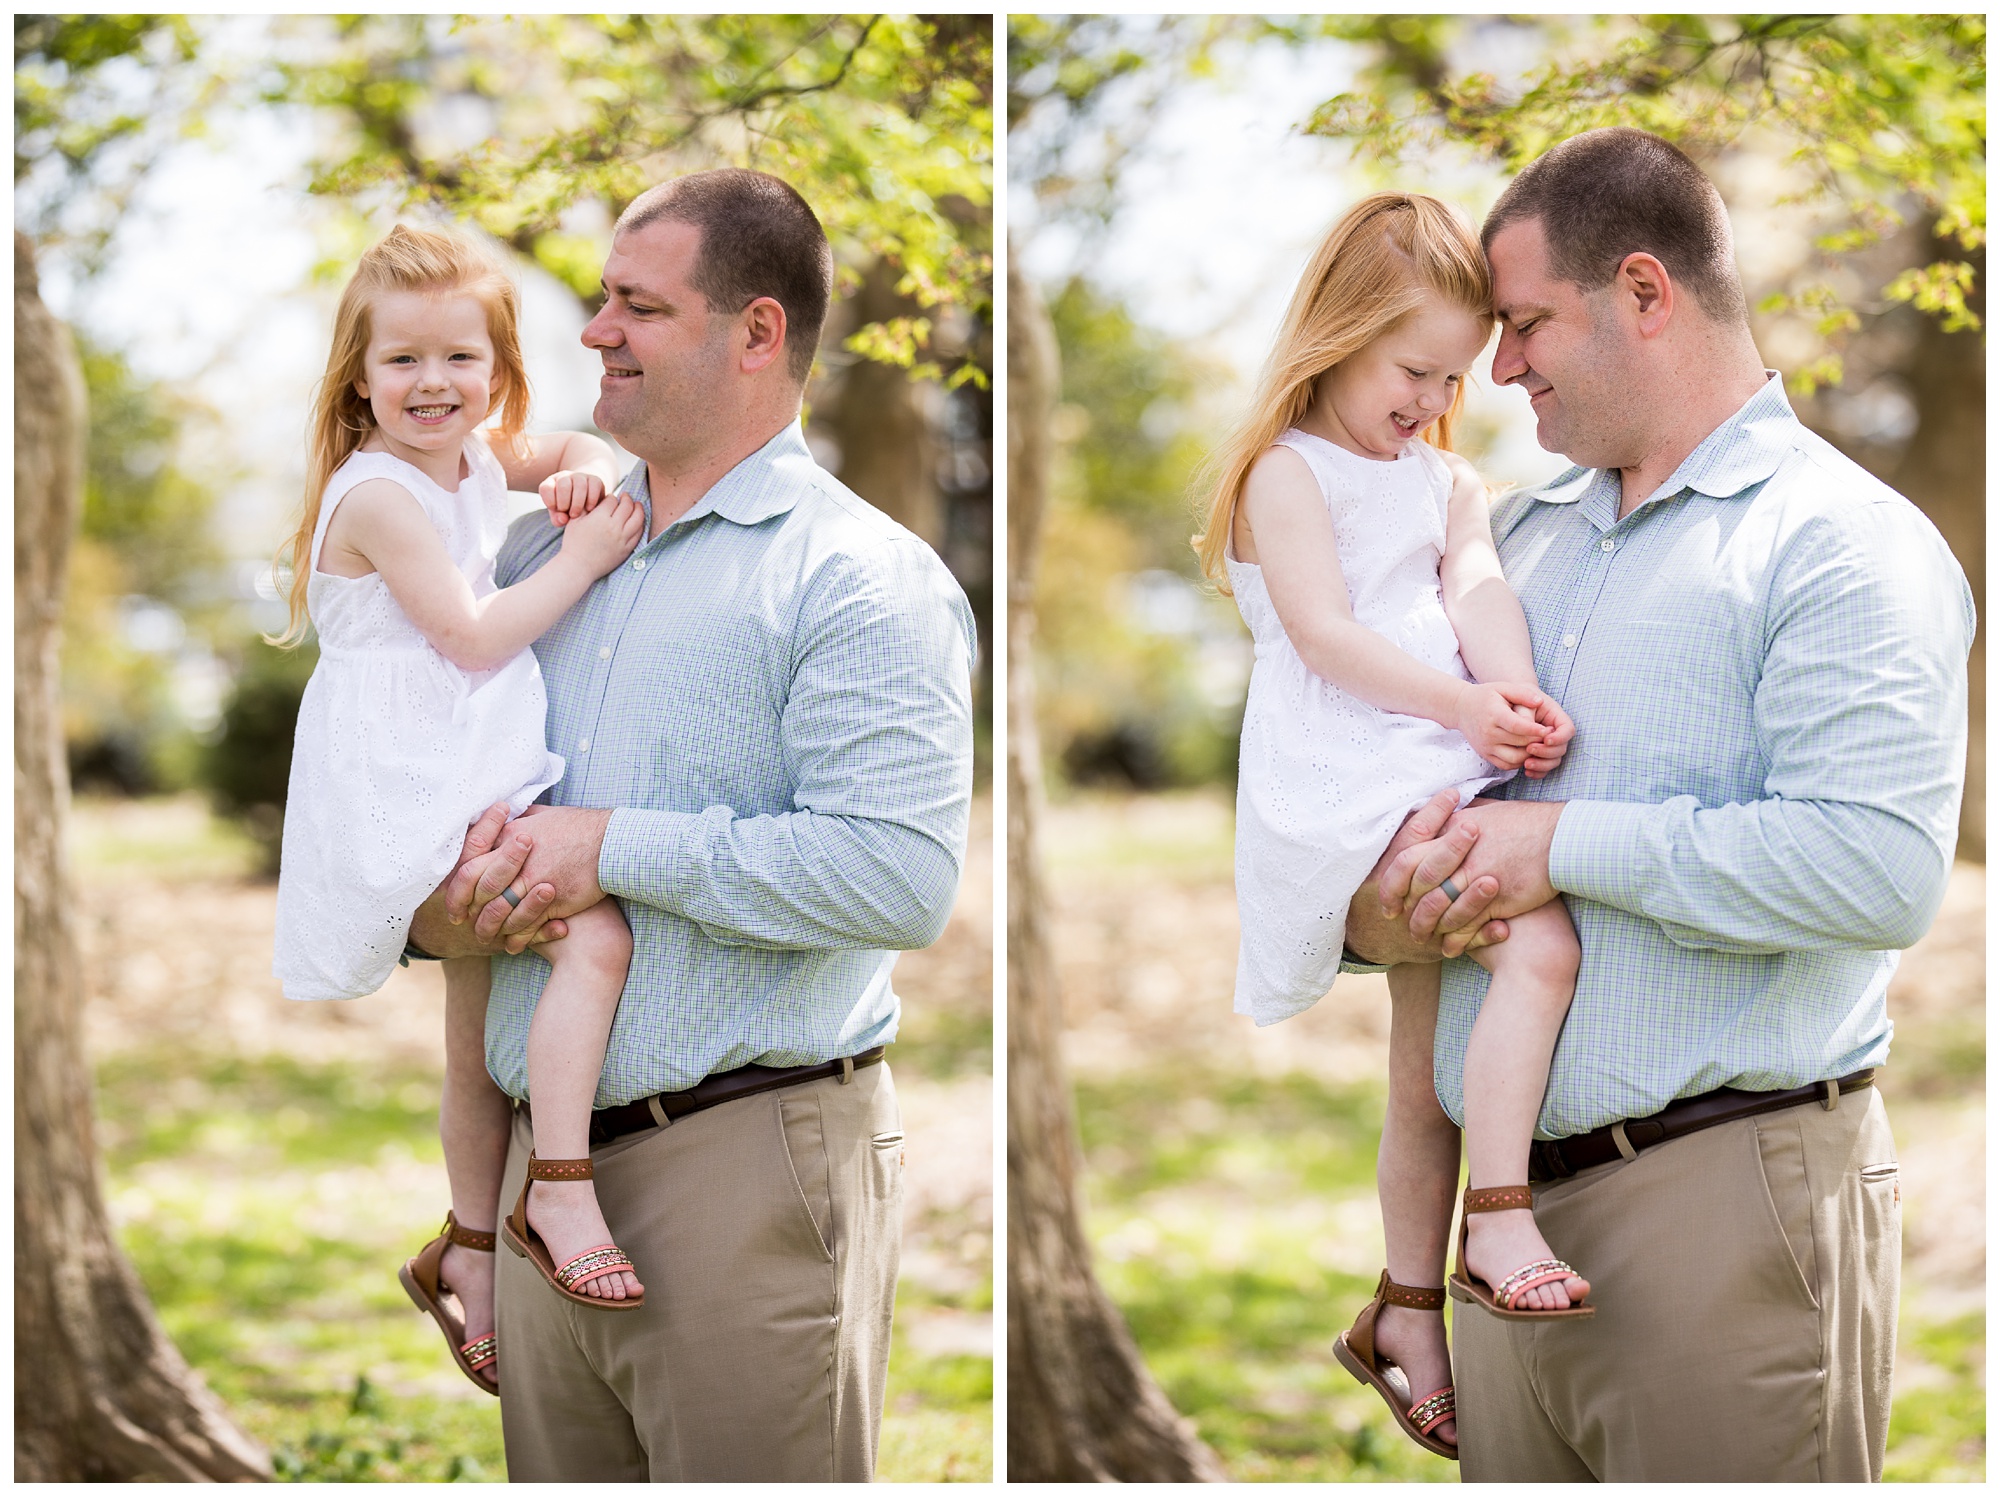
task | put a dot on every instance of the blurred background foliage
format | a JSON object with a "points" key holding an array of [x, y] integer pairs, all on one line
{"points": [[1169, 175], [538, 130], [196, 189], [1851, 150]]}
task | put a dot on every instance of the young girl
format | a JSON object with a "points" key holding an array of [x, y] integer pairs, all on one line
{"points": [[1392, 662], [425, 709]]}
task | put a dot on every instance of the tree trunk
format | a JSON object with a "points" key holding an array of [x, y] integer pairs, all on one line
{"points": [[1080, 1404], [1943, 471], [888, 451], [100, 1394]]}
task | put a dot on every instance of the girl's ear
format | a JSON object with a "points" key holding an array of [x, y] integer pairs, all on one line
{"points": [[361, 388]]}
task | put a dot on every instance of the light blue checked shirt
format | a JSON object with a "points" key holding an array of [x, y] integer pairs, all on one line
{"points": [[776, 694], [1766, 667]]}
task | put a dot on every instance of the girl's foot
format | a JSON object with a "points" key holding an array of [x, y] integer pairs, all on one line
{"points": [[1499, 1243], [469, 1276], [1414, 1341], [564, 1215]]}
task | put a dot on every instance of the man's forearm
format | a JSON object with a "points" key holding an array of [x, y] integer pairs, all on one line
{"points": [[1774, 875], [801, 881]]}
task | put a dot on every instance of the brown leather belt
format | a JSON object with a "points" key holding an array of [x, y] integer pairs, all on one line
{"points": [[657, 1111], [1560, 1158]]}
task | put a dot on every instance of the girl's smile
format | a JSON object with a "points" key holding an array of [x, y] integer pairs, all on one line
{"points": [[1380, 400], [428, 377]]}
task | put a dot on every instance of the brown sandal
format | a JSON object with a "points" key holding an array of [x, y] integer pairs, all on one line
{"points": [[423, 1281], [1355, 1350], [525, 1242], [1498, 1299]]}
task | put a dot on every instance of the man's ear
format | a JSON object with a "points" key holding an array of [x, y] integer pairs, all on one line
{"points": [[764, 330], [1644, 286]]}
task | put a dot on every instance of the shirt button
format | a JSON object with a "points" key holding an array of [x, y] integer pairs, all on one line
{"points": [[604, 652], [1607, 544], [583, 745], [639, 565], [1569, 641]]}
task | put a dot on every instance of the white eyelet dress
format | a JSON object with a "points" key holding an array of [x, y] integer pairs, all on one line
{"points": [[397, 750], [1324, 779]]}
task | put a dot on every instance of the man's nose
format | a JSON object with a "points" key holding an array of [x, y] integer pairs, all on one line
{"points": [[1508, 361], [597, 333]]}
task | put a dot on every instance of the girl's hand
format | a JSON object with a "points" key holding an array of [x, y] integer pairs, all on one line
{"points": [[606, 535], [1500, 720], [572, 492], [1557, 730]]}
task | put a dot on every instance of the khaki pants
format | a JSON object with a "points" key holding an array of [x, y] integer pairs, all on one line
{"points": [[766, 1232], [1745, 1279]]}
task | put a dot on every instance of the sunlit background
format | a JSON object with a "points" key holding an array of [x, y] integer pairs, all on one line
{"points": [[197, 191], [1170, 177]]}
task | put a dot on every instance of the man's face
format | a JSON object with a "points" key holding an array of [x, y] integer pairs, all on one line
{"points": [[666, 355], [1569, 350]]}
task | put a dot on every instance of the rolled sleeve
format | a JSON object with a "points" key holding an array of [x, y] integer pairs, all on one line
{"points": [[1860, 711], [877, 733]]}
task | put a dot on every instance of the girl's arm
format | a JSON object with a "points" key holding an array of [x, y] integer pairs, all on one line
{"points": [[572, 470], [1484, 613], [1492, 631], [382, 524], [1290, 536], [542, 457]]}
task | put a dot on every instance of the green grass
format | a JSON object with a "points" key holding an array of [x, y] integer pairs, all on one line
{"points": [[1235, 1225], [1937, 1428], [265, 1204]]}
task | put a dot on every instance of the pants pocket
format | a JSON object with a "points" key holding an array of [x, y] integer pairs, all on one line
{"points": [[803, 1133], [1782, 1154]]}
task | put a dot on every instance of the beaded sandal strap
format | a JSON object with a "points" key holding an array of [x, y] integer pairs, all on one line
{"points": [[479, 1353], [1427, 1414], [1530, 1276], [1500, 1198], [594, 1264]]}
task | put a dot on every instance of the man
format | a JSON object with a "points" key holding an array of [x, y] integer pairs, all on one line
{"points": [[767, 716], [1764, 651]]}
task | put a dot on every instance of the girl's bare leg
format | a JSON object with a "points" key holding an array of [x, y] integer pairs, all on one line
{"points": [[472, 1123], [566, 1043], [1506, 1076], [1416, 1173]]}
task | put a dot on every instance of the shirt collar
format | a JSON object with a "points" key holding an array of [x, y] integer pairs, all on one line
{"points": [[1742, 452], [767, 482]]}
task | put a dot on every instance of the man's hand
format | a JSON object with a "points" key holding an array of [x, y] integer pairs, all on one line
{"points": [[1502, 843], [1377, 933], [435, 931], [551, 852]]}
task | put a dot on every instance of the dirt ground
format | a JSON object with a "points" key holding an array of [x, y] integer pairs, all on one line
{"points": [[177, 954], [1146, 932]]}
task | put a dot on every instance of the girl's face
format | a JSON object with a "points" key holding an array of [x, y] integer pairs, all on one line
{"points": [[1378, 402], [428, 374]]}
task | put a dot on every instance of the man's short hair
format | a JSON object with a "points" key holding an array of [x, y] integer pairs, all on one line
{"points": [[758, 238], [1606, 194]]}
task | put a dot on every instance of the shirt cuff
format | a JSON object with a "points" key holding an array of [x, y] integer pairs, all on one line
{"points": [[1595, 851], [645, 857]]}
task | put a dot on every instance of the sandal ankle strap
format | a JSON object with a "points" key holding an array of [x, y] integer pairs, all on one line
{"points": [[1409, 1298], [560, 1169], [1500, 1198], [465, 1237]]}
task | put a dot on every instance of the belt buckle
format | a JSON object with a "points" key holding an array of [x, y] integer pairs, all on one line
{"points": [[1545, 1156]]}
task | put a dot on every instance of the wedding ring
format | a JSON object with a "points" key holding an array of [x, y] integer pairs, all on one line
{"points": [[512, 898], [1452, 890]]}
